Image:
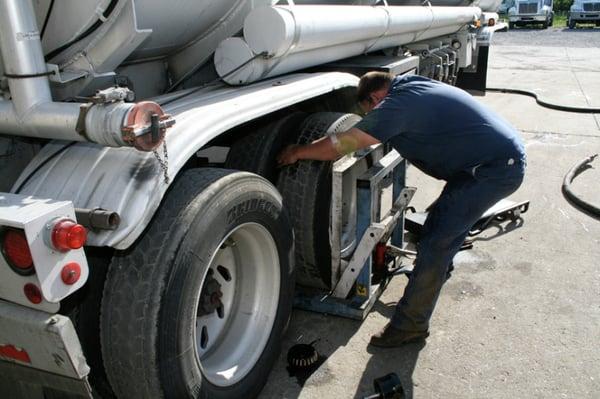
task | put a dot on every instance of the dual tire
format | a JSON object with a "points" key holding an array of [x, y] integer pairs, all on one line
{"points": [[199, 305]]}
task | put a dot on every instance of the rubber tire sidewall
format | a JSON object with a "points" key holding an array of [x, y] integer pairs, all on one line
{"points": [[306, 188], [233, 206]]}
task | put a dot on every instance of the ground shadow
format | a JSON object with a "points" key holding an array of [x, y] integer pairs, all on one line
{"points": [[305, 328], [383, 361], [580, 29]]}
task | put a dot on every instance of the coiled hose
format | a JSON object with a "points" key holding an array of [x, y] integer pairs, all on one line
{"points": [[571, 196], [558, 107]]}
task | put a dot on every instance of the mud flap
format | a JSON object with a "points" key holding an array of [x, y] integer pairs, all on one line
{"points": [[475, 82]]}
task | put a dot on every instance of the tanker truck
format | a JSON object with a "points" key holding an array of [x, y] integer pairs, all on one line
{"points": [[150, 245]]}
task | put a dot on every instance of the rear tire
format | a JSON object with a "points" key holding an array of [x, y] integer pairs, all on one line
{"points": [[198, 307], [257, 152], [306, 190]]}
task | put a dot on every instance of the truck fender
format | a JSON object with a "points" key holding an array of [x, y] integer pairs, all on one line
{"points": [[132, 183]]}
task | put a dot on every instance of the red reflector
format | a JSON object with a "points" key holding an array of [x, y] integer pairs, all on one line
{"points": [[11, 352], [16, 249], [33, 293], [70, 273], [67, 235]]}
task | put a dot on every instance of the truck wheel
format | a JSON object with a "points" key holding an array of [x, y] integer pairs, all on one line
{"points": [[545, 25], [306, 190], [198, 307], [511, 25], [257, 152], [571, 24]]}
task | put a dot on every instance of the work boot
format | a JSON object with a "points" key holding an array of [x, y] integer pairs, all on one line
{"points": [[391, 337]]}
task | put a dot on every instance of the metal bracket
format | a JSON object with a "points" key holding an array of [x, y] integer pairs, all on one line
{"points": [[375, 233], [63, 77]]}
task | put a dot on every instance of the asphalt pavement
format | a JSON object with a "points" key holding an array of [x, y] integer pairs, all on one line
{"points": [[520, 317]]}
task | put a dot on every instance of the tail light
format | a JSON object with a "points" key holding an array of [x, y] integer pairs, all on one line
{"points": [[16, 251], [68, 235], [33, 293]]}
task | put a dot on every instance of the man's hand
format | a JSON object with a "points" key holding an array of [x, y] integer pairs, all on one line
{"points": [[324, 149], [288, 156]]}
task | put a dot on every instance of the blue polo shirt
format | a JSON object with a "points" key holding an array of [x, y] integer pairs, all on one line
{"points": [[439, 128]]}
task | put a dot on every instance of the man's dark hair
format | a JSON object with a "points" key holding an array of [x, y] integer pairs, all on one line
{"points": [[372, 81]]}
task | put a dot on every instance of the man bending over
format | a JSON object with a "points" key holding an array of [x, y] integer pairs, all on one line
{"points": [[449, 135]]}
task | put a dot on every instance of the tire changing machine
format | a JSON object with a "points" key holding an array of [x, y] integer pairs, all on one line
{"points": [[367, 231], [360, 229]]}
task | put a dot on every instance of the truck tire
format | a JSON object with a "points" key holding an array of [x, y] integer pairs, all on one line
{"points": [[571, 24], [257, 152], [306, 190], [198, 307], [511, 25]]}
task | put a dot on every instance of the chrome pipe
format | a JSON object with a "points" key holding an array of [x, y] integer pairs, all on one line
{"points": [[22, 54], [32, 113]]}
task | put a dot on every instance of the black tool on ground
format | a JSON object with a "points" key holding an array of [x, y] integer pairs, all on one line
{"points": [[302, 356], [303, 360], [387, 387]]}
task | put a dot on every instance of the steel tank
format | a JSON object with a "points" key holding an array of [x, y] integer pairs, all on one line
{"points": [[70, 28], [485, 5]]}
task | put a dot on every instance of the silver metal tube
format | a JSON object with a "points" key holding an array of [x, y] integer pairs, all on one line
{"points": [[22, 50], [32, 112], [46, 120]]}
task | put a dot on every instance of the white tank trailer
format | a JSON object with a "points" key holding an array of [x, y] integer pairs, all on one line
{"points": [[150, 247]]}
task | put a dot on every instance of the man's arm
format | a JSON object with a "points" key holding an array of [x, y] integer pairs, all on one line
{"points": [[326, 148]]}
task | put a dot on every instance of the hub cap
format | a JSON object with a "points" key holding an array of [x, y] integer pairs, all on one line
{"points": [[237, 305]]}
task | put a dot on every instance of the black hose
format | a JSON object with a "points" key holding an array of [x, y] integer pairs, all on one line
{"points": [[571, 196], [48, 13], [558, 107]]}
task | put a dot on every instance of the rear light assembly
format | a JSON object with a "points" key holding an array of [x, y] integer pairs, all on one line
{"points": [[68, 235], [15, 249], [42, 260]]}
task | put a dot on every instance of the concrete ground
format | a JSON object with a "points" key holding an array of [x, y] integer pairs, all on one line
{"points": [[520, 318]]}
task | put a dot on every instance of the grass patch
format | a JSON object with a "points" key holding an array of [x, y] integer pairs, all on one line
{"points": [[560, 19]]}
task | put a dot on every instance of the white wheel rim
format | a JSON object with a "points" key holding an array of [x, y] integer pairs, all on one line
{"points": [[230, 341]]}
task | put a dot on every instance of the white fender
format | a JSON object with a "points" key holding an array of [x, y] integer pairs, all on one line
{"points": [[130, 182]]}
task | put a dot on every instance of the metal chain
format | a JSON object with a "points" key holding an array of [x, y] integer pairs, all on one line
{"points": [[163, 162]]}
